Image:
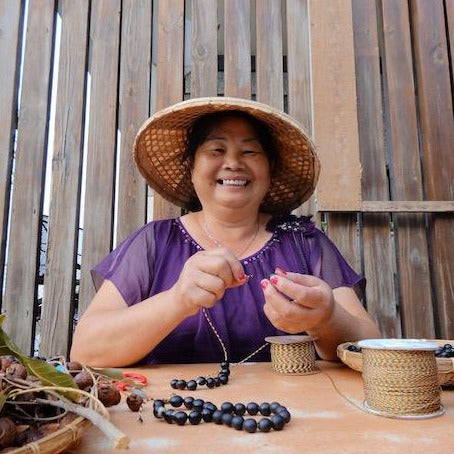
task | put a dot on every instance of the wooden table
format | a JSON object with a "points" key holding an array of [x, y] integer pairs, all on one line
{"points": [[322, 420]]}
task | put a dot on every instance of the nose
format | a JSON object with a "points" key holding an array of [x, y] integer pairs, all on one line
{"points": [[233, 160]]}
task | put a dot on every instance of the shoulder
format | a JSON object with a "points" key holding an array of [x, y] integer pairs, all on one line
{"points": [[289, 223]]}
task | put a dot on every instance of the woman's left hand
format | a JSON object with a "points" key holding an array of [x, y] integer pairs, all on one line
{"points": [[297, 302]]}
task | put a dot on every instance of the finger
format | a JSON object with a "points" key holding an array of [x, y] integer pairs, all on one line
{"points": [[283, 317], [303, 279], [308, 296], [226, 265], [210, 283]]}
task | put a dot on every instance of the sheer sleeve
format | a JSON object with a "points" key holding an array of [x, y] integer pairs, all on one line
{"points": [[129, 266]]}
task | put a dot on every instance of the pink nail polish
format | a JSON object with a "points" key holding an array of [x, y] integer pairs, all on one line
{"points": [[264, 284], [280, 270], [241, 277], [274, 280]]}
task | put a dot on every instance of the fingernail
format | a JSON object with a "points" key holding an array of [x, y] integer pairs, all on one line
{"points": [[274, 280], [241, 277], [280, 270], [264, 283]]}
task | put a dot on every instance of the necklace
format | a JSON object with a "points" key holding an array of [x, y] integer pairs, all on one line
{"points": [[239, 253]]}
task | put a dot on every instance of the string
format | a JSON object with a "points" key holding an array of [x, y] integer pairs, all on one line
{"points": [[219, 244]]}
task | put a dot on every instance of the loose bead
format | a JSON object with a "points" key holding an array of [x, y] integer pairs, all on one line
{"points": [[173, 383], [278, 422], [217, 417], [250, 425], [225, 364], [188, 402], [274, 405], [210, 382], [176, 401], [195, 417], [181, 384], [168, 415], [210, 406], [224, 379], [227, 419], [285, 414], [217, 382], [265, 425], [197, 404], [201, 381], [180, 417], [191, 385], [239, 409], [207, 414], [265, 409], [252, 408], [227, 407], [237, 422]]}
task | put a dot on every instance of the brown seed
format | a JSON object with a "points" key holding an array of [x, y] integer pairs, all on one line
{"points": [[6, 361], [17, 370], [108, 394], [83, 380], [73, 367], [134, 402], [7, 432]]}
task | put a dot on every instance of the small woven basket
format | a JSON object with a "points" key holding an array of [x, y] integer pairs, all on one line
{"points": [[445, 366], [294, 355], [56, 442]]}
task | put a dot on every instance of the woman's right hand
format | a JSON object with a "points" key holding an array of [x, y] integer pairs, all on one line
{"points": [[205, 277]]}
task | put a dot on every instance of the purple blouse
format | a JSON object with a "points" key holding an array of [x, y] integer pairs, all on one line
{"points": [[150, 260]]}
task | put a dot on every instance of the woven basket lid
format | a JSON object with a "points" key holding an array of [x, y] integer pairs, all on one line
{"points": [[161, 142]]}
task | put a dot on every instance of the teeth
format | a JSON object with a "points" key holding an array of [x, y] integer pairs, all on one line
{"points": [[234, 182]]}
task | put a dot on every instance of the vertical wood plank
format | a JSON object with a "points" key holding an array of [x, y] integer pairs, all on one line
{"points": [[450, 24], [437, 134], [58, 300], [169, 76], [335, 121], [28, 188], [412, 255], [377, 248], [10, 32], [269, 58], [299, 62], [98, 214], [335, 114], [204, 51], [135, 67], [237, 48]]}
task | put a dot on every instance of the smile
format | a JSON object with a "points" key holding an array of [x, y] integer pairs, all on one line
{"points": [[233, 182]]}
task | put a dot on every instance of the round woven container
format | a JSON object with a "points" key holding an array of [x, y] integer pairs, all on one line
{"points": [[400, 378], [294, 355]]}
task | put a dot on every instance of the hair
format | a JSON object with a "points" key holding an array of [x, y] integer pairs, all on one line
{"points": [[204, 125]]}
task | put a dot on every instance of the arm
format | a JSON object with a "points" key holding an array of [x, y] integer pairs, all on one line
{"points": [[332, 316], [112, 334]]}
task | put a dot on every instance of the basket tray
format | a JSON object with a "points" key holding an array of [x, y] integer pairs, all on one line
{"points": [[354, 360], [56, 442]]}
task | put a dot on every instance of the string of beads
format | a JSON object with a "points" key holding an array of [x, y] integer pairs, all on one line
{"points": [[229, 414]]}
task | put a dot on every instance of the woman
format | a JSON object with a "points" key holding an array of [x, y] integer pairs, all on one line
{"points": [[237, 267]]}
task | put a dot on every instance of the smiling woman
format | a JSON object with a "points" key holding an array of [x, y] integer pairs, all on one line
{"points": [[238, 267]]}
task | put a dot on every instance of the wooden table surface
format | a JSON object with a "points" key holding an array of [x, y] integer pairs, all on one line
{"points": [[323, 421]]}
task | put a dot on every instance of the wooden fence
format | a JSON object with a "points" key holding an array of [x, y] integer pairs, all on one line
{"points": [[372, 80]]}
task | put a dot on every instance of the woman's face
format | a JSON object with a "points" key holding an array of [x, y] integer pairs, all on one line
{"points": [[230, 167]]}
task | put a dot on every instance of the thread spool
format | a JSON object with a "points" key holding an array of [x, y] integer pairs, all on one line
{"points": [[400, 378], [293, 355]]}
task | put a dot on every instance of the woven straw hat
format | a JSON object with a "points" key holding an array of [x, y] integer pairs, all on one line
{"points": [[161, 142]]}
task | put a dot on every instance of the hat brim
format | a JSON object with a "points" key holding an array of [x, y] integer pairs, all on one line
{"points": [[161, 143]]}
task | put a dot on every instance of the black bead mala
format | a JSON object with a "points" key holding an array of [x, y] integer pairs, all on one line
{"points": [[222, 378], [228, 414]]}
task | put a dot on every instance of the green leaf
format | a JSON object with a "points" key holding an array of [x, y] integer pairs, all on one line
{"points": [[45, 372], [115, 374]]}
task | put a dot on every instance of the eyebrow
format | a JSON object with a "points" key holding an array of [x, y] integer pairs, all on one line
{"points": [[252, 139]]}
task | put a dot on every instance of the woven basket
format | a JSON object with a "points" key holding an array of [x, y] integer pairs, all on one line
{"points": [[445, 366], [58, 441]]}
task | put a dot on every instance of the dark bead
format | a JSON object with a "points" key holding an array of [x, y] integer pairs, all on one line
{"points": [[227, 419], [285, 414], [168, 415], [250, 425], [227, 407], [278, 422], [207, 414], [188, 402], [351, 348], [252, 408], [201, 381], [173, 383], [197, 404], [224, 372], [439, 351], [217, 382], [239, 409], [265, 409], [158, 403], [180, 417], [280, 408], [158, 412], [225, 364], [265, 425], [181, 384], [210, 406], [217, 417], [237, 422], [273, 406], [176, 401], [210, 382], [191, 385], [195, 417], [224, 379], [447, 347]]}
